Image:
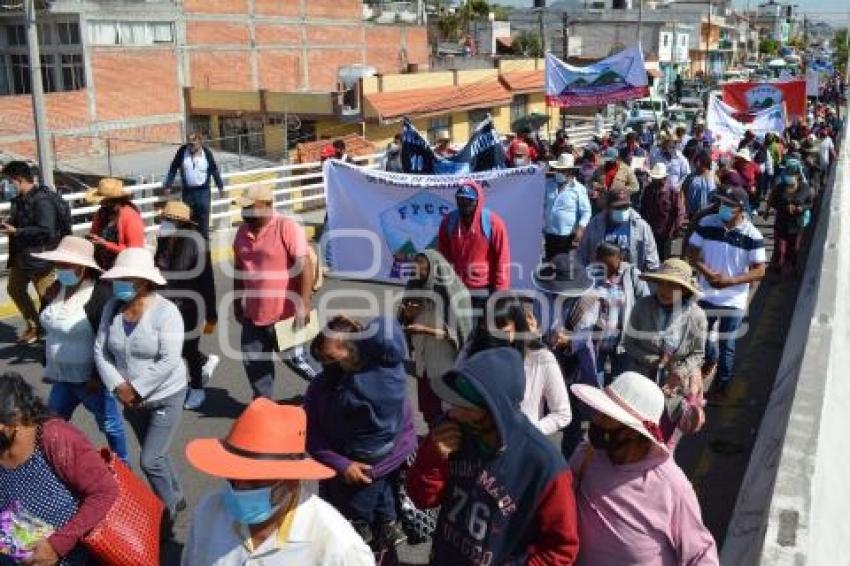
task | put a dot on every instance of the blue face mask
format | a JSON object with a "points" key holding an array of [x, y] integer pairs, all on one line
{"points": [[620, 216], [560, 179], [249, 506], [726, 212], [123, 290], [67, 277]]}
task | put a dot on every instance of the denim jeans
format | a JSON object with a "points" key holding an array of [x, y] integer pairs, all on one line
{"points": [[198, 199], [66, 397], [155, 424], [259, 344], [372, 504], [728, 320]]}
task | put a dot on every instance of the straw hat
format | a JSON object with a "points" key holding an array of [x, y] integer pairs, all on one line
{"points": [[135, 263], [179, 211], [565, 161], [632, 400], [108, 187], [73, 250], [255, 194], [675, 271], [267, 442], [658, 171]]}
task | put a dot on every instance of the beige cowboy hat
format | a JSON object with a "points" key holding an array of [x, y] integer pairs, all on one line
{"points": [[73, 250], [565, 161], [255, 194], [633, 400], [135, 263], [108, 187], [658, 171], [179, 211], [675, 271], [444, 135], [744, 154]]}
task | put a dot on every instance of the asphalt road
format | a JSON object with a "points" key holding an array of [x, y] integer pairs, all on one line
{"points": [[715, 459]]}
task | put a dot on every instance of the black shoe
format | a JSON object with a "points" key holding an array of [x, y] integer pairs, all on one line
{"points": [[168, 519], [391, 534], [363, 529]]}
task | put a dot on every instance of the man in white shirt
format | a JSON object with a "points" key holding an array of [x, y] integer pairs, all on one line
{"points": [[728, 253], [267, 511], [197, 168]]}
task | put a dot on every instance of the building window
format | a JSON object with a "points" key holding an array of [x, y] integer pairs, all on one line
{"points": [[73, 72], [48, 78], [437, 124], [20, 67], [665, 40], [519, 107], [69, 33], [16, 36], [130, 33], [477, 116]]}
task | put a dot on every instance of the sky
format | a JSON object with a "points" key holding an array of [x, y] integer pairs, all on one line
{"points": [[834, 11]]}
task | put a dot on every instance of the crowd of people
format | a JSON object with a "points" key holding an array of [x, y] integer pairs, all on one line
{"points": [[649, 256]]}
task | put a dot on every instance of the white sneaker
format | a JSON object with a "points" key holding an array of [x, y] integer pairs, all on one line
{"points": [[208, 368], [194, 399]]}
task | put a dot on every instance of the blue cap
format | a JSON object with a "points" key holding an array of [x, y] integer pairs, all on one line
{"points": [[468, 192]]}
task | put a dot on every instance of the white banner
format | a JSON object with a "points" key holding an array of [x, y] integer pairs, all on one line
{"points": [[728, 130], [377, 221]]}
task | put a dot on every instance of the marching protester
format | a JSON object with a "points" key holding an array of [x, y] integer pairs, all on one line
{"points": [[340, 153], [183, 256], [52, 471], [664, 341], [566, 209], [627, 482], [545, 401], [672, 158], [36, 223], [70, 319], [117, 225], [357, 417], [699, 186], [662, 206], [613, 175], [443, 147], [474, 240], [392, 156], [273, 281], [792, 203], [728, 253], [267, 510], [436, 314], [519, 154], [622, 226], [198, 169], [138, 356], [526, 510]]}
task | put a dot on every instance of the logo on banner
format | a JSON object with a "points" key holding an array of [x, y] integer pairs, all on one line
{"points": [[410, 227], [763, 96]]}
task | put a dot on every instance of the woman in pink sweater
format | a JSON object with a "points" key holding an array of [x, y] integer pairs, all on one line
{"points": [[117, 225]]}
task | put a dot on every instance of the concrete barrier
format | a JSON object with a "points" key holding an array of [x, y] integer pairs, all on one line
{"points": [[792, 508]]}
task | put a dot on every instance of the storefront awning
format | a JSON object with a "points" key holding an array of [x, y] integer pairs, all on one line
{"points": [[425, 102]]}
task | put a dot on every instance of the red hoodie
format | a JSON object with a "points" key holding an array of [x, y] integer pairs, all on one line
{"points": [[480, 262]]}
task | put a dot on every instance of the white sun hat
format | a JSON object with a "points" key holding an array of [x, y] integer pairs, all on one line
{"points": [[135, 263], [565, 161], [631, 399], [658, 171], [73, 250]]}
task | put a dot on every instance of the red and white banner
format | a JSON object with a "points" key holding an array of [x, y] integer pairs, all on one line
{"points": [[753, 97]]}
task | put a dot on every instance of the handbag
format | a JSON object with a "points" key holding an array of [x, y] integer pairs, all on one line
{"points": [[418, 524], [129, 534]]}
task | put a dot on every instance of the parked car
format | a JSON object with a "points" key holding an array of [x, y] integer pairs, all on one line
{"points": [[648, 110]]}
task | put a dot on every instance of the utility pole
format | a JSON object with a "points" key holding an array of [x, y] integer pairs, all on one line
{"points": [[564, 41], [39, 115], [707, 42], [640, 21], [541, 27]]}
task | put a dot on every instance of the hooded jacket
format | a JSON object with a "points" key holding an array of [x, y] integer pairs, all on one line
{"points": [[511, 506], [361, 414], [480, 261], [643, 250]]}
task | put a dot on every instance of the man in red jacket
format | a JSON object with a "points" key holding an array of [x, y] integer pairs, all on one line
{"points": [[505, 491], [474, 240]]}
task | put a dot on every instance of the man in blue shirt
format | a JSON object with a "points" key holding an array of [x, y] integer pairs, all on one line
{"points": [[566, 208]]}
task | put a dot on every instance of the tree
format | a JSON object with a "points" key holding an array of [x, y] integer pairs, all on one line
{"points": [[769, 46], [841, 48], [797, 42], [528, 44]]}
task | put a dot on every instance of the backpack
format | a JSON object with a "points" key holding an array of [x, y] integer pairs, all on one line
{"points": [[64, 221], [486, 222]]}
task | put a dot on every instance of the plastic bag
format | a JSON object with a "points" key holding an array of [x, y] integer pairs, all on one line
{"points": [[20, 530]]}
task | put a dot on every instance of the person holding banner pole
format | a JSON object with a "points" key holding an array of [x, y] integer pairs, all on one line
{"points": [[474, 240]]}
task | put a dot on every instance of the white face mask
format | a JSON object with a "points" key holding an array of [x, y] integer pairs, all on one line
{"points": [[167, 228]]}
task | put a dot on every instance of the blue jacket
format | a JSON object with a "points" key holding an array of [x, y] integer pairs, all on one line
{"points": [[564, 211], [361, 414]]}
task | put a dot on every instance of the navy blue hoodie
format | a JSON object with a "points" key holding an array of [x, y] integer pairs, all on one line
{"points": [[513, 506], [361, 413]]}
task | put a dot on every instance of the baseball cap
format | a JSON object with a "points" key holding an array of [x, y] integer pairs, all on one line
{"points": [[611, 154], [467, 190], [619, 197], [735, 196]]}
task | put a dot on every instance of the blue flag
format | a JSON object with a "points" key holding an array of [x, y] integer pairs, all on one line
{"points": [[483, 152]]}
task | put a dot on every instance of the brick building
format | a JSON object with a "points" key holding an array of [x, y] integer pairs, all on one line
{"points": [[123, 70]]}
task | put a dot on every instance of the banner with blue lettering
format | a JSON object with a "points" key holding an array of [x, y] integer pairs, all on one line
{"points": [[378, 221], [482, 152], [620, 77]]}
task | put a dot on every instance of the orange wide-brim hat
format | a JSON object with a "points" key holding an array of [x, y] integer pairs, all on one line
{"points": [[267, 442]]}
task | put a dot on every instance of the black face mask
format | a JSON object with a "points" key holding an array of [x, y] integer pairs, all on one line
{"points": [[486, 340], [605, 440], [6, 441]]}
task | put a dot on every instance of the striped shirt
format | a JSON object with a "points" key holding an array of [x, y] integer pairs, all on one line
{"points": [[729, 253]]}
